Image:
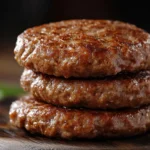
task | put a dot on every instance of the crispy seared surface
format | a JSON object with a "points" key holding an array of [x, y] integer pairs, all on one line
{"points": [[83, 48], [112, 92], [38, 117]]}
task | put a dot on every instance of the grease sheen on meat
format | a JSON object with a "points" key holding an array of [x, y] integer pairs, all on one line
{"points": [[38, 117], [84, 48], [111, 92]]}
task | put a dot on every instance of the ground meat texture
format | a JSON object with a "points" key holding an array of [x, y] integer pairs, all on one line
{"points": [[48, 120], [111, 92], [84, 48]]}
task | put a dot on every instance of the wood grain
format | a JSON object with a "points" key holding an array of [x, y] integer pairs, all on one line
{"points": [[12, 138]]}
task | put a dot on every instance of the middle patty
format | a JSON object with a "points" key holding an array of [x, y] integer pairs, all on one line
{"points": [[111, 92]]}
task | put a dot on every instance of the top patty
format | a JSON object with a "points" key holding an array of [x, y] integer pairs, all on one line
{"points": [[84, 48]]}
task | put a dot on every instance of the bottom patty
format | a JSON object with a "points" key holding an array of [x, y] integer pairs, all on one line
{"points": [[52, 121]]}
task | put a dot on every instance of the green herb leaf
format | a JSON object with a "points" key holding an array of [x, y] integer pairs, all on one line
{"points": [[9, 91]]}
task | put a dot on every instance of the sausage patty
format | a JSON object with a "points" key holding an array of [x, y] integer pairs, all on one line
{"points": [[84, 48], [38, 117], [112, 92]]}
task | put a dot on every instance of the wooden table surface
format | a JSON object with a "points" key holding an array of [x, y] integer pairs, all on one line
{"points": [[12, 138]]}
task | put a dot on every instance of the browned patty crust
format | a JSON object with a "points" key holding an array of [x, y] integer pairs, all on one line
{"points": [[111, 92], [83, 48], [46, 119]]}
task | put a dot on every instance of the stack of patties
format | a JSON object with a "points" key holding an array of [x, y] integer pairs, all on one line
{"points": [[87, 79]]}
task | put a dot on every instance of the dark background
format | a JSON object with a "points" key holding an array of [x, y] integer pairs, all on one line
{"points": [[18, 15]]}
